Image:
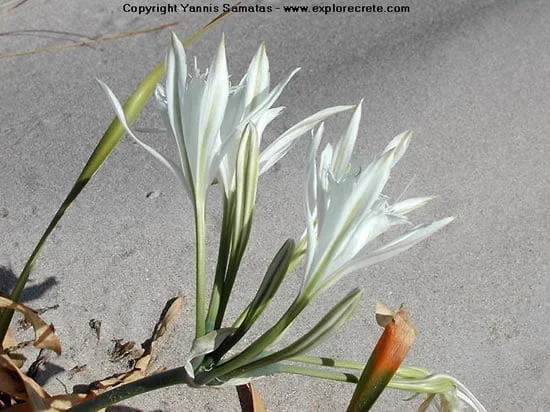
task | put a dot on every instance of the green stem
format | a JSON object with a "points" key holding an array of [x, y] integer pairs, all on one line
{"points": [[257, 347], [171, 377], [230, 276], [221, 267], [235, 258], [200, 237]]}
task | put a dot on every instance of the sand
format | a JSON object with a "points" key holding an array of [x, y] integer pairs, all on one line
{"points": [[471, 79]]}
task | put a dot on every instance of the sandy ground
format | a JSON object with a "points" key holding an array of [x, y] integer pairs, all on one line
{"points": [[471, 78]]}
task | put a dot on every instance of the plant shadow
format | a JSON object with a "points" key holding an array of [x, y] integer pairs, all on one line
{"points": [[8, 279]]}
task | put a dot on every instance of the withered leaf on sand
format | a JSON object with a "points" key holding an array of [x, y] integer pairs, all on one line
{"points": [[143, 363], [45, 337]]}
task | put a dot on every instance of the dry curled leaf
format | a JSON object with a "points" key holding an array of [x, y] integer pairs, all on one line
{"points": [[21, 388], [142, 363], [384, 314], [45, 337]]}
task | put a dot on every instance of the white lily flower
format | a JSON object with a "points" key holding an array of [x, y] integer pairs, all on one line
{"points": [[207, 117], [346, 209]]}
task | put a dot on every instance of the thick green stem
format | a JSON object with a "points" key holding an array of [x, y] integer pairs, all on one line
{"points": [[200, 237], [171, 377], [249, 354]]}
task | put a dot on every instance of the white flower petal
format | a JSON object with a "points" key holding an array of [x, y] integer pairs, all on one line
{"points": [[365, 231], [406, 206], [399, 143], [257, 79], [276, 150], [344, 148], [311, 195], [212, 111], [348, 204], [267, 117], [397, 246], [176, 77], [273, 95], [120, 114]]}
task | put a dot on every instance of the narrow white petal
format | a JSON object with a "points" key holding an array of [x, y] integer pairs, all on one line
{"points": [[352, 198], [212, 113], [257, 79], [271, 97], [365, 231], [173, 101], [345, 145], [234, 113], [176, 77], [371, 182], [397, 246], [267, 117], [399, 143], [280, 147], [324, 167], [190, 119], [311, 196], [166, 162], [408, 205]]}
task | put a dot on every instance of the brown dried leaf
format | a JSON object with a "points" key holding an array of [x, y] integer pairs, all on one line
{"points": [[169, 315], [45, 337], [31, 392], [10, 383], [22, 388], [9, 340], [250, 399], [140, 368], [10, 347]]}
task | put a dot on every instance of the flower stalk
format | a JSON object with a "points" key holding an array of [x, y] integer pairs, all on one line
{"points": [[200, 241]]}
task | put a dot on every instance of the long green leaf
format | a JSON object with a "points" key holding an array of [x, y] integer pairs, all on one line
{"points": [[110, 139], [273, 278], [330, 323]]}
